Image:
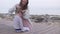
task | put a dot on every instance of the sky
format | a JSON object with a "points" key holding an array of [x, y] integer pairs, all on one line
{"points": [[35, 6]]}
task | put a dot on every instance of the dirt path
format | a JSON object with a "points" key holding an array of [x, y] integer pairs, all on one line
{"points": [[6, 27]]}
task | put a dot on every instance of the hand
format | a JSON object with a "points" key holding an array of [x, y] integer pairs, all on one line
{"points": [[23, 11], [20, 14]]}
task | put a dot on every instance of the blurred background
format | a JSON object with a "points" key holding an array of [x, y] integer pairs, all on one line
{"points": [[39, 7]]}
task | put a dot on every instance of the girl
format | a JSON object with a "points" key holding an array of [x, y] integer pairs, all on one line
{"points": [[21, 19]]}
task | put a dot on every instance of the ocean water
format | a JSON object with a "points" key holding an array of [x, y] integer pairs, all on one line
{"points": [[50, 11]]}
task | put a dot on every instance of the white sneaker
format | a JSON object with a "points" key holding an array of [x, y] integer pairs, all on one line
{"points": [[25, 29]]}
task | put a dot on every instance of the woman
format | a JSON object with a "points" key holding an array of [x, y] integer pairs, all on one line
{"points": [[24, 6], [21, 19]]}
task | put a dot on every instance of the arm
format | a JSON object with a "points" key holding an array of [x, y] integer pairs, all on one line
{"points": [[26, 14], [12, 10]]}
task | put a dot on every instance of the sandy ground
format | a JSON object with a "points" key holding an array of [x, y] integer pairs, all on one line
{"points": [[6, 27]]}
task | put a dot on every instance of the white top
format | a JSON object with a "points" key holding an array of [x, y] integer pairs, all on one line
{"points": [[26, 14]]}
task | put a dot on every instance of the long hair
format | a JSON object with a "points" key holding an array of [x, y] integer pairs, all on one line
{"points": [[25, 6]]}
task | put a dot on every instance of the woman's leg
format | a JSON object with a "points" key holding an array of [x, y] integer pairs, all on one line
{"points": [[18, 22], [26, 23]]}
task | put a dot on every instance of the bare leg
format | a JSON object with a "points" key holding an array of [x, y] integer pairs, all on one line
{"points": [[26, 23]]}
